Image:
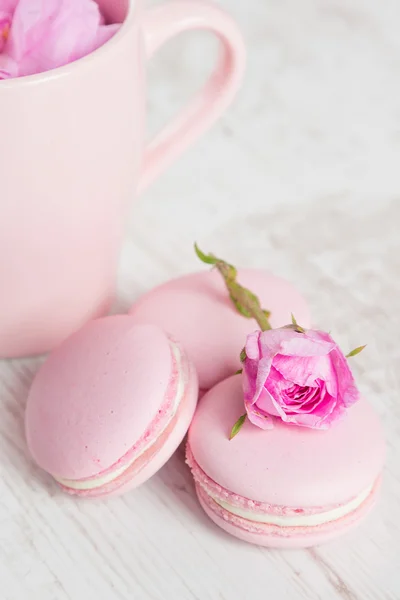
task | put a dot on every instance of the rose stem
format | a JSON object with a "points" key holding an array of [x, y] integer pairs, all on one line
{"points": [[244, 300]]}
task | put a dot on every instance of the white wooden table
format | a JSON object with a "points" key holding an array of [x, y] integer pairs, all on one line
{"points": [[301, 176]]}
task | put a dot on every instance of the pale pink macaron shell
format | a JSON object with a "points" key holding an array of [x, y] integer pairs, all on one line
{"points": [[197, 311], [314, 536], [97, 394], [175, 437], [290, 468]]}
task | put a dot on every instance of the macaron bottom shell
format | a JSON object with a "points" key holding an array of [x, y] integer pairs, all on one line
{"points": [[132, 471], [272, 536]]}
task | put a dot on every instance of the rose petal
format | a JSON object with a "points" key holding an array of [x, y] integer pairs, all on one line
{"points": [[8, 67], [332, 412], [263, 369], [105, 33], [252, 345], [289, 342], [306, 370], [307, 402], [269, 404], [302, 344], [321, 336], [257, 418], [347, 391], [46, 35], [249, 378], [31, 21], [277, 382], [284, 407], [8, 6], [255, 369]]}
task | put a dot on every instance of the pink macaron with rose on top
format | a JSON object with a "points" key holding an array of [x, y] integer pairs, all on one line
{"points": [[285, 453]]}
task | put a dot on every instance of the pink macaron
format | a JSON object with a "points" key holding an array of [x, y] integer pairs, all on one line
{"points": [[197, 311], [289, 486], [110, 406]]}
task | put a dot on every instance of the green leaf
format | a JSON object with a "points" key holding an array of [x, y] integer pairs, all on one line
{"points": [[297, 327], [355, 351], [209, 259], [243, 355], [237, 426], [239, 372]]}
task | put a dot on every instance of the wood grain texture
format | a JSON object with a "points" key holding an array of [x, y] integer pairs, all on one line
{"points": [[300, 176]]}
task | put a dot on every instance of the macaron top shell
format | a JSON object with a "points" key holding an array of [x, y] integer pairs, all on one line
{"points": [[286, 466], [95, 395], [197, 311]]}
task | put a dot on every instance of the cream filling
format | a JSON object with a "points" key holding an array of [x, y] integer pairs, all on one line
{"points": [[103, 480], [298, 520]]}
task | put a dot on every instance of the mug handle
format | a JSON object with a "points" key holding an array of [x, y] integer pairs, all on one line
{"points": [[159, 25]]}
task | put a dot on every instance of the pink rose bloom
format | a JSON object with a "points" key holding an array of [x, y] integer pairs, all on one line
{"points": [[37, 35], [301, 378]]}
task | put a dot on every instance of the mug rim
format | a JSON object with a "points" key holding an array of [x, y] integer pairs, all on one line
{"points": [[72, 66]]}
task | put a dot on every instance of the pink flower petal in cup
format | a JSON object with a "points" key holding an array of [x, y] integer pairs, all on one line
{"points": [[5, 25], [8, 67], [47, 35], [105, 33]]}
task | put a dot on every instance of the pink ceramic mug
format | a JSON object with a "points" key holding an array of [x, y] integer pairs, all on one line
{"points": [[71, 152]]}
